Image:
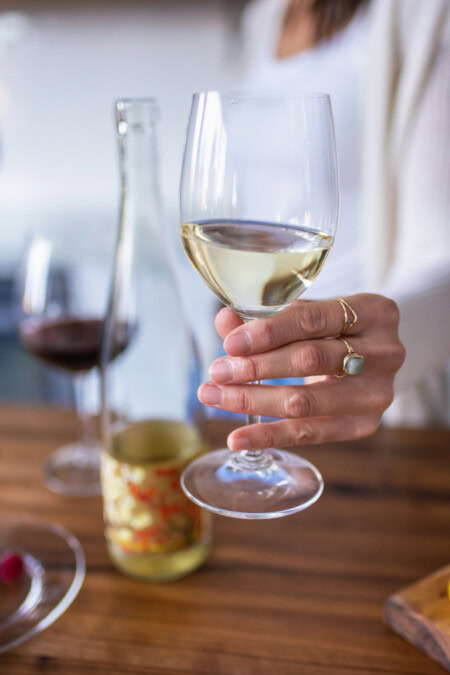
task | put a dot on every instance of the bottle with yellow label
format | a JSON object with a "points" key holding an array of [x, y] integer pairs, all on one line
{"points": [[151, 419]]}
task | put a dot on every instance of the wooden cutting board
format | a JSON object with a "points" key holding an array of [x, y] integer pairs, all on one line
{"points": [[420, 613]]}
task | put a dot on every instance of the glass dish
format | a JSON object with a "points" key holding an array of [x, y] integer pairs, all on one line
{"points": [[54, 570]]}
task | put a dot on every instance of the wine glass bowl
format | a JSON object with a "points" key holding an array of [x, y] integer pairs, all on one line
{"points": [[259, 206], [63, 288]]}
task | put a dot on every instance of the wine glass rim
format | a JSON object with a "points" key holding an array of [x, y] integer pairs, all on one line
{"points": [[264, 94]]}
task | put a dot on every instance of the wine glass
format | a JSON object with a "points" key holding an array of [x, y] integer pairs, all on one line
{"points": [[259, 207], [64, 286]]}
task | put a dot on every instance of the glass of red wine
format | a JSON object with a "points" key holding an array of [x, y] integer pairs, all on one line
{"points": [[64, 288]]}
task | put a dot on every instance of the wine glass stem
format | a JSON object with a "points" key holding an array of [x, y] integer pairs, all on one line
{"points": [[253, 455], [86, 446], [252, 460]]}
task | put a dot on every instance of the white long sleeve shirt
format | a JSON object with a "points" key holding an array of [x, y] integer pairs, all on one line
{"points": [[388, 73]]}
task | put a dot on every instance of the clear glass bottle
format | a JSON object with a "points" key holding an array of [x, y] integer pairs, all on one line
{"points": [[151, 420]]}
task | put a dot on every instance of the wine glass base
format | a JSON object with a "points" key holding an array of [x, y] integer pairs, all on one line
{"points": [[74, 470], [287, 484], [54, 569]]}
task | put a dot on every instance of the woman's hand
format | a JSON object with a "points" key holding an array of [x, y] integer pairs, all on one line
{"points": [[301, 342]]}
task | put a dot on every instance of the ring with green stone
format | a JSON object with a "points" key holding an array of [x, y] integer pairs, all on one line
{"points": [[353, 363]]}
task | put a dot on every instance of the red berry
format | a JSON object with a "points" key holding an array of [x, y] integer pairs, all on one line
{"points": [[11, 567]]}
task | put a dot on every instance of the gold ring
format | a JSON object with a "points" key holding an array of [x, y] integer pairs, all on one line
{"points": [[353, 363], [348, 323]]}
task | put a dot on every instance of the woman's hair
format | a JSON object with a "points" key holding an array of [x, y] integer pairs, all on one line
{"points": [[329, 16]]}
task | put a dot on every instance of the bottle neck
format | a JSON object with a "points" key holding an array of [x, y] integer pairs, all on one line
{"points": [[143, 233], [138, 162]]}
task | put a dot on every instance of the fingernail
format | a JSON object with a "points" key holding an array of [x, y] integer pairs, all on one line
{"points": [[238, 344], [210, 394], [240, 443], [221, 370]]}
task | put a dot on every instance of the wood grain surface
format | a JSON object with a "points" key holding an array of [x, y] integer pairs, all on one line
{"points": [[301, 595]]}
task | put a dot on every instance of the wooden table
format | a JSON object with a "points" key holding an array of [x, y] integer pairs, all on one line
{"points": [[297, 596]]}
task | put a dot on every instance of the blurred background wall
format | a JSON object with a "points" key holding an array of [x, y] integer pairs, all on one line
{"points": [[62, 64]]}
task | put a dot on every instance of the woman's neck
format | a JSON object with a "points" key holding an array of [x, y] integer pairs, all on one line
{"points": [[298, 31], [308, 22]]}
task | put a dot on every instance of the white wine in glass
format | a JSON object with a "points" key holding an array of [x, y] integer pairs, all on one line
{"points": [[255, 268], [259, 207]]}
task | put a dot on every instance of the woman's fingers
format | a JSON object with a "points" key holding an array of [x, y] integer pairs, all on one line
{"points": [[305, 359], [359, 395], [296, 343], [298, 359], [305, 320], [226, 321], [302, 432]]}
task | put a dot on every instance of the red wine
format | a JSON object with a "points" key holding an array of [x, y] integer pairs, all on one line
{"points": [[71, 343]]}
